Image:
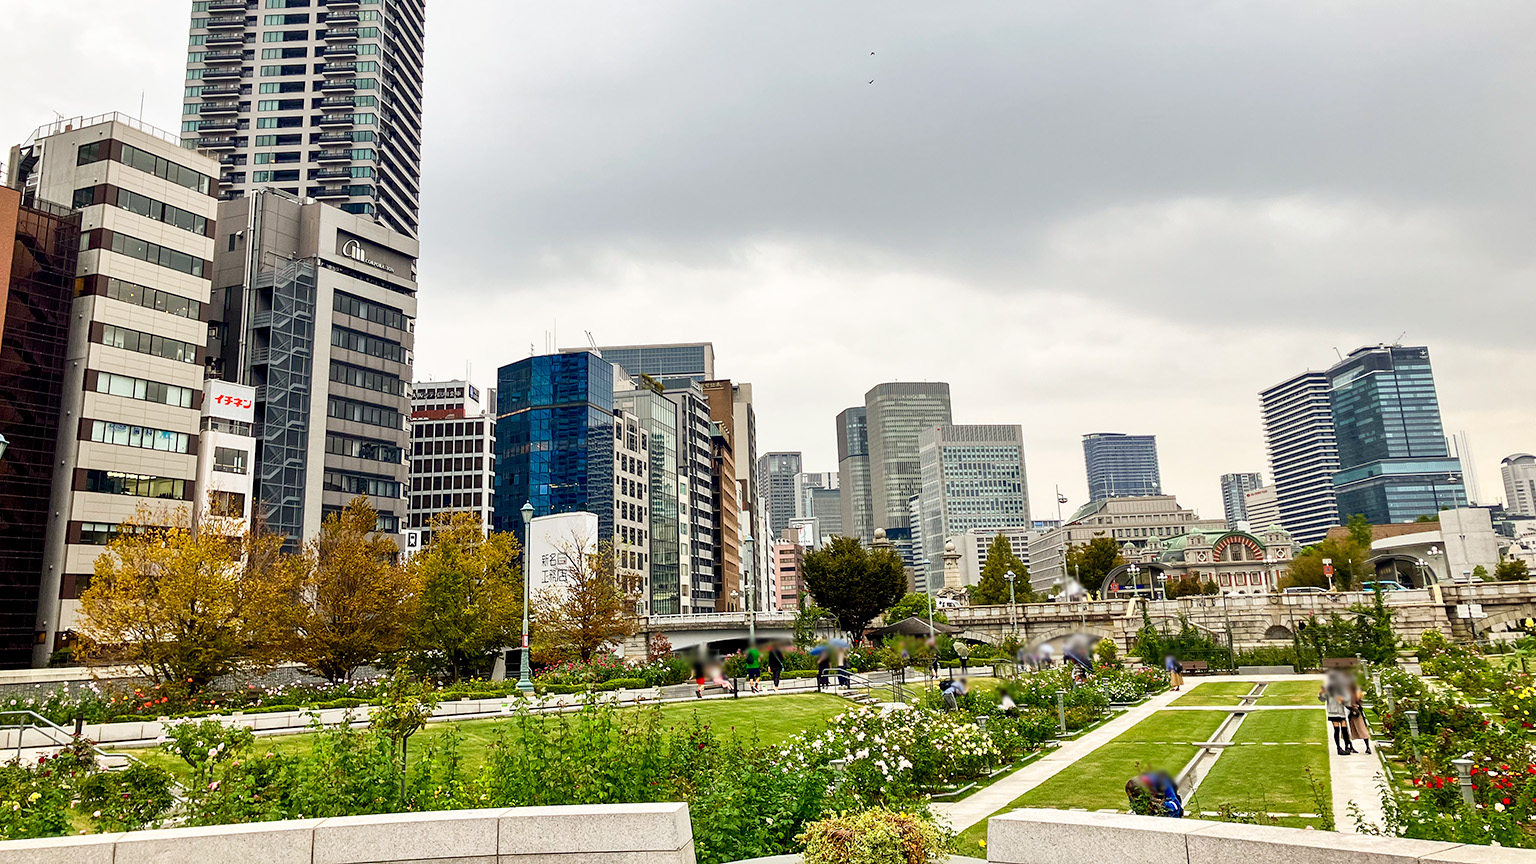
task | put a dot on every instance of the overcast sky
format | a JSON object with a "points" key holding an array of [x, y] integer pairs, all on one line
{"points": [[1085, 216]]}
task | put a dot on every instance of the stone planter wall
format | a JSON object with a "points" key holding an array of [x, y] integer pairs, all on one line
{"points": [[630, 833], [1079, 837]]}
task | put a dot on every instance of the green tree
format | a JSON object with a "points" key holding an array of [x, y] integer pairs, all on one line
{"points": [[1349, 564], [404, 706], [471, 597], [807, 619], [913, 605], [354, 600], [1512, 570], [1090, 562], [992, 588], [853, 583], [1360, 531], [1480, 573]]}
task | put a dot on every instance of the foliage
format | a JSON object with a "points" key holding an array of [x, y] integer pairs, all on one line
{"points": [[1349, 564], [587, 613], [1107, 655], [853, 583], [354, 602], [1480, 573], [1512, 570], [184, 606], [807, 619], [992, 588], [136, 797], [599, 670], [1190, 585], [1090, 562], [875, 836], [405, 706], [914, 605], [471, 597]]}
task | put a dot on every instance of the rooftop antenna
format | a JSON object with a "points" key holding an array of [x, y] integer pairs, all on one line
{"points": [[592, 342], [1399, 342], [1336, 351]]}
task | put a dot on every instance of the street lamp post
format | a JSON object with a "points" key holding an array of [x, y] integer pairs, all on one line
{"points": [[1135, 572], [1013, 618], [525, 683], [1162, 584], [751, 603]]}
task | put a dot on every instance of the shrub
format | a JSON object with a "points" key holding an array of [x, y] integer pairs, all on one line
{"points": [[875, 836]]}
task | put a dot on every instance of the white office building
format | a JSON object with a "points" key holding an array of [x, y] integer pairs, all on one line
{"points": [[453, 461], [1519, 472], [972, 477]]}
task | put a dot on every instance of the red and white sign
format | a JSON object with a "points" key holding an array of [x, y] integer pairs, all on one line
{"points": [[228, 401]]}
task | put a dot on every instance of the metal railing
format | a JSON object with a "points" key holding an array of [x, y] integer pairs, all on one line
{"points": [[53, 735]]}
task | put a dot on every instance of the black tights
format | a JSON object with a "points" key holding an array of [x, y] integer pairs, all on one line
{"points": [[1341, 737]]}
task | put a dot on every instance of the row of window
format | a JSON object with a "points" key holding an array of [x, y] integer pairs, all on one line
{"points": [[152, 298], [440, 482], [357, 135], [447, 501], [444, 448], [143, 205], [364, 448], [129, 387], [229, 460], [147, 162], [363, 412], [300, 86], [441, 466], [127, 435], [138, 485], [298, 104], [303, 35], [368, 379], [298, 122], [144, 250], [378, 313], [361, 484], [148, 343], [373, 346]]}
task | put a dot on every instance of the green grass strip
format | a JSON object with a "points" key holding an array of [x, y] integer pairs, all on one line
{"points": [[1271, 778], [1216, 693], [1174, 726], [1291, 693]]}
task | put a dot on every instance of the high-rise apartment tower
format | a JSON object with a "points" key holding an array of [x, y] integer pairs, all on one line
{"points": [[318, 98], [1121, 466], [1234, 488], [1303, 454]]}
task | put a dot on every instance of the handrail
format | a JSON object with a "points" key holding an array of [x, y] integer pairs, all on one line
{"points": [[47, 726]]}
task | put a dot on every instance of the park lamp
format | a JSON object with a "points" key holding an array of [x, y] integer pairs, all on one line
{"points": [[525, 683]]}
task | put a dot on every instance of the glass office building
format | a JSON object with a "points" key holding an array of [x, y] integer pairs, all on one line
{"points": [[1394, 465], [856, 516], [1121, 466], [694, 360], [658, 416], [554, 439]]}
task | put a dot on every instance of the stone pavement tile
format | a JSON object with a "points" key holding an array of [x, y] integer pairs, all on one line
{"points": [[1354, 779]]}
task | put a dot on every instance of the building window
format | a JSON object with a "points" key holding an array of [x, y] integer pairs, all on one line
{"points": [[113, 384], [228, 504], [229, 460], [145, 343], [140, 485], [126, 435]]}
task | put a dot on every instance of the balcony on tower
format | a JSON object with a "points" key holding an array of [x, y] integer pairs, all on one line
{"points": [[221, 124], [341, 18], [338, 85], [338, 103], [225, 22], [216, 142], [217, 6], [328, 193], [334, 120], [338, 51], [340, 34], [334, 138], [333, 174], [218, 91], [348, 68], [227, 106], [338, 5], [334, 155], [225, 37]]}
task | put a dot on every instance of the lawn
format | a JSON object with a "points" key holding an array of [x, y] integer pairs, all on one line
{"points": [[1177, 726], [771, 719], [1291, 693], [1271, 778], [1216, 693]]}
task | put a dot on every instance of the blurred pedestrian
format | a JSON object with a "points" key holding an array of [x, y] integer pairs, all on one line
{"points": [[951, 691], [1335, 696], [775, 663], [754, 666], [700, 676], [963, 651], [1359, 730], [1175, 671]]}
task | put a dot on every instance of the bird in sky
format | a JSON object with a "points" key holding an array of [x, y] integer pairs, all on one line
{"points": [[871, 80]]}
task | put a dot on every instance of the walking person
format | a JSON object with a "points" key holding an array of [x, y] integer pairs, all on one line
{"points": [[1359, 730], [775, 664], [1175, 671], [963, 651], [823, 663], [700, 676], [754, 665], [1335, 695]]}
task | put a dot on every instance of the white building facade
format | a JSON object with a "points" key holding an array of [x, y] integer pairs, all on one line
{"points": [[453, 463]]}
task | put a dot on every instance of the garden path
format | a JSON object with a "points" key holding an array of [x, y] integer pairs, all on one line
{"points": [[987, 801], [1356, 781]]}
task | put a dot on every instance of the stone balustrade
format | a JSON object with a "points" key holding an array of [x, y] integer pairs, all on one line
{"points": [[601, 834], [1080, 837]]}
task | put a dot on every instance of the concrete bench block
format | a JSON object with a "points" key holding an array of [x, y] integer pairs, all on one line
{"points": [[92, 849], [681, 856], [255, 843], [1481, 855], [444, 835], [1228, 843], [586, 830], [1037, 836]]}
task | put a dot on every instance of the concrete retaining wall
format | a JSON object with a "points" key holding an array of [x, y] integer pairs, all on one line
{"points": [[604, 834], [1079, 837]]}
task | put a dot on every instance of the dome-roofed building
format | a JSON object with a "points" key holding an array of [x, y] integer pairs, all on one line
{"points": [[1237, 562]]}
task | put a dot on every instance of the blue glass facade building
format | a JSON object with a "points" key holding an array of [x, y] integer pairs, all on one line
{"points": [[1394, 465], [1121, 466], [554, 439]]}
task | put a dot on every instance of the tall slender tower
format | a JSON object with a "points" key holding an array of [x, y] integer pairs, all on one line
{"points": [[318, 98], [1303, 454]]}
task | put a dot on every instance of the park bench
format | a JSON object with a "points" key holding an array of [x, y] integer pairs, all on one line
{"points": [[1339, 662], [1196, 667]]}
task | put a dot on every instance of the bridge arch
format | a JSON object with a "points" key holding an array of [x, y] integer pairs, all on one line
{"points": [[1277, 632], [1056, 635], [1400, 568], [1143, 585], [1508, 616]]}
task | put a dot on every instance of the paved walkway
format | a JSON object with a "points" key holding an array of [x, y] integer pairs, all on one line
{"points": [[1355, 780], [963, 814]]}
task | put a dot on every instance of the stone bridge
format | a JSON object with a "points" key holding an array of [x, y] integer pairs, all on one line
{"points": [[1255, 619]]}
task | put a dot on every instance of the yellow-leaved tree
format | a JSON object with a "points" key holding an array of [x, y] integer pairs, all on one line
{"points": [[354, 600], [470, 597], [183, 606], [586, 612]]}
